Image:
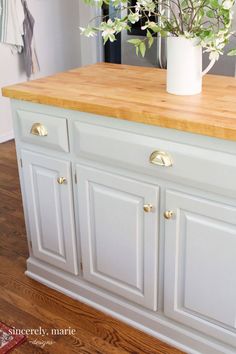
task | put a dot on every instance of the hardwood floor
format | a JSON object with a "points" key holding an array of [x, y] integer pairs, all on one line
{"points": [[26, 304]]}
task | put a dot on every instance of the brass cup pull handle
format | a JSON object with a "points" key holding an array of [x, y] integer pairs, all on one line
{"points": [[168, 214], [161, 158], [148, 208], [38, 129], [61, 180]]}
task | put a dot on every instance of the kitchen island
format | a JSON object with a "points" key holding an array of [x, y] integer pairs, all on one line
{"points": [[129, 196]]}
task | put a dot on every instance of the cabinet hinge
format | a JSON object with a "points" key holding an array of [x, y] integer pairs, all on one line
{"points": [[75, 178], [81, 266], [21, 162]]}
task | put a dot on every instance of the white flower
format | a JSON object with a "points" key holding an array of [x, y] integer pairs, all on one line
{"points": [[214, 55], [133, 17], [151, 25], [187, 34], [148, 5], [119, 25], [227, 4], [108, 31], [109, 22]]}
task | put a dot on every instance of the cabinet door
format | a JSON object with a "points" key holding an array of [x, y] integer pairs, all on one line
{"points": [[200, 265], [50, 210], [119, 239]]}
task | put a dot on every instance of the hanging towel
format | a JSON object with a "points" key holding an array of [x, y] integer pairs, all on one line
{"points": [[11, 24], [30, 55]]}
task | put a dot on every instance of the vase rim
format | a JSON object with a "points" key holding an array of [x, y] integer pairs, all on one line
{"points": [[193, 40], [181, 37]]}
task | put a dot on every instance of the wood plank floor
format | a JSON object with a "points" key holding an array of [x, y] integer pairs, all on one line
{"points": [[24, 303]]}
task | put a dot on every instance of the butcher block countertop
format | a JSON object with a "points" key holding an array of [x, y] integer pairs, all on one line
{"points": [[137, 94]]}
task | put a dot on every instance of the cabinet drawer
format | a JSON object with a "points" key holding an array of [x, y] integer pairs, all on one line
{"points": [[47, 131], [190, 164]]}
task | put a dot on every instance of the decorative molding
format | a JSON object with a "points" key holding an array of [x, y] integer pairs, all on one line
{"points": [[152, 323], [6, 137]]}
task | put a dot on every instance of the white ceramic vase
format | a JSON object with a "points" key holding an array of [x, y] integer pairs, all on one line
{"points": [[184, 66]]}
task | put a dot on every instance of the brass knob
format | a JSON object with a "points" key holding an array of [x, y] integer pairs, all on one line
{"points": [[161, 158], [38, 129], [61, 180], [168, 214], [147, 208]]}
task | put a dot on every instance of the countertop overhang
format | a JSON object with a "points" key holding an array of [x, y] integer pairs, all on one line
{"points": [[137, 94]]}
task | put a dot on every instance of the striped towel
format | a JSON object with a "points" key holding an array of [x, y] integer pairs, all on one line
{"points": [[30, 55], [11, 24]]}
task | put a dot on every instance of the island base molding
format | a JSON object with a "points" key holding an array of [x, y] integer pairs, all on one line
{"points": [[144, 320]]}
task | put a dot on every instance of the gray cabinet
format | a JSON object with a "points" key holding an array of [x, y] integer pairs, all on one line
{"points": [[49, 201], [119, 234], [200, 264], [94, 192]]}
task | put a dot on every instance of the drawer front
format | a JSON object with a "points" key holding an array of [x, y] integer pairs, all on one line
{"points": [[188, 164], [47, 131]]}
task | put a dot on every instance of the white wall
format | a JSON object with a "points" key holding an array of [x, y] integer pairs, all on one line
{"points": [[57, 40]]}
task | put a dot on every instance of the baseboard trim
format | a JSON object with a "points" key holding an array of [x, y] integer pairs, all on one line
{"points": [[190, 342], [6, 137]]}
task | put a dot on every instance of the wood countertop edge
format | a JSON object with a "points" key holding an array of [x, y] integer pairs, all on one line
{"points": [[201, 128]]}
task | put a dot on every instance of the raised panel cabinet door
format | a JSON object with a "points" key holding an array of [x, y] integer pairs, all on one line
{"points": [[118, 238], [50, 209], [200, 265]]}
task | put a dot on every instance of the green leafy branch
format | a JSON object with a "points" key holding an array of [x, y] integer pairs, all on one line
{"points": [[209, 22]]}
